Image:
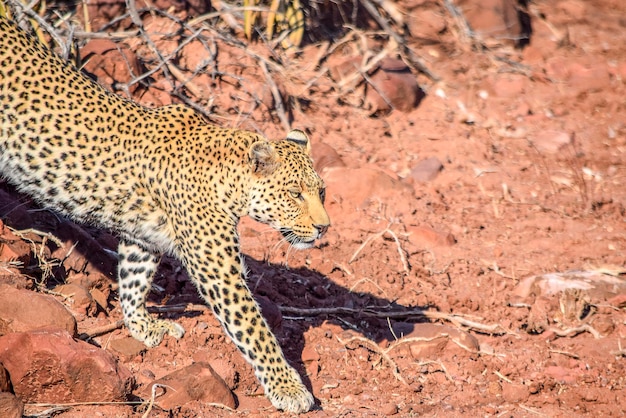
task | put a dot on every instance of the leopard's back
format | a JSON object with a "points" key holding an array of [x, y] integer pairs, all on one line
{"points": [[69, 143]]}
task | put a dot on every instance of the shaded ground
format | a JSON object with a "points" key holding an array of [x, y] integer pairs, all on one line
{"points": [[532, 144]]}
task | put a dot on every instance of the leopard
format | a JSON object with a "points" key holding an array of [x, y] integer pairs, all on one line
{"points": [[166, 181]]}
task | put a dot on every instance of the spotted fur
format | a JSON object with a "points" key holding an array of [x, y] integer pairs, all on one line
{"points": [[167, 182]]}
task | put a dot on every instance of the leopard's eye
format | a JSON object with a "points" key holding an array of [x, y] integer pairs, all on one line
{"points": [[296, 194], [322, 195]]}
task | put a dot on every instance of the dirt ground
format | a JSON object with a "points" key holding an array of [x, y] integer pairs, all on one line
{"points": [[477, 256]]}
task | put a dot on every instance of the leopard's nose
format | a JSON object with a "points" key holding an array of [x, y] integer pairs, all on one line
{"points": [[321, 229]]}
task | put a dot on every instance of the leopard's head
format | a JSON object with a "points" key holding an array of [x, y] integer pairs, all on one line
{"points": [[286, 192]]}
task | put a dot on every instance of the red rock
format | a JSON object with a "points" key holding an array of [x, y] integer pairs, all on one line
{"points": [[492, 19], [426, 24], [226, 371], [26, 310], [508, 86], [574, 8], [197, 382], [12, 248], [358, 187], [591, 77], [51, 367], [111, 63], [581, 75], [101, 12], [393, 86], [390, 85], [425, 237], [389, 409], [324, 156], [127, 346], [562, 374], [427, 170], [10, 406], [515, 392], [78, 297], [552, 142]]}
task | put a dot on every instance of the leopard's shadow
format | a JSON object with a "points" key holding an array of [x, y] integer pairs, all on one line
{"points": [[308, 299]]}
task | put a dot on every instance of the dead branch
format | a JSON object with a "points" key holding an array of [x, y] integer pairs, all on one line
{"points": [[94, 332], [376, 312]]}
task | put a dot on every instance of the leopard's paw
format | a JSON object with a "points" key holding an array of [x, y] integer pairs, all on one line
{"points": [[152, 332], [290, 394]]}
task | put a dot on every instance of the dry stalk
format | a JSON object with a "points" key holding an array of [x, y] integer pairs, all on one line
{"points": [[372, 346], [620, 351], [440, 364], [501, 376], [405, 264], [573, 331], [565, 353], [153, 396], [38, 248], [278, 101]]}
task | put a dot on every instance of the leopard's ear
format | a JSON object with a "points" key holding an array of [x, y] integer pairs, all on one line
{"points": [[263, 158], [300, 138]]}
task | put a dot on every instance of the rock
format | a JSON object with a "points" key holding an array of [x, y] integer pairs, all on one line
{"points": [[507, 86], [51, 367], [5, 380], [324, 156], [580, 75], [552, 142], [10, 406], [12, 248], [390, 85], [496, 20], [393, 86], [576, 9], [127, 346], [311, 360], [425, 237], [197, 382], [389, 409], [426, 24], [589, 77], [101, 12], [427, 170], [25, 310], [110, 63], [356, 188], [515, 392], [78, 297]]}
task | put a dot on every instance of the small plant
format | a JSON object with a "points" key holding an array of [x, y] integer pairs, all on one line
{"points": [[285, 18]]}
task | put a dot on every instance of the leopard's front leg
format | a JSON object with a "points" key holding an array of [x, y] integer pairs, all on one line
{"points": [[136, 268], [218, 274]]}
